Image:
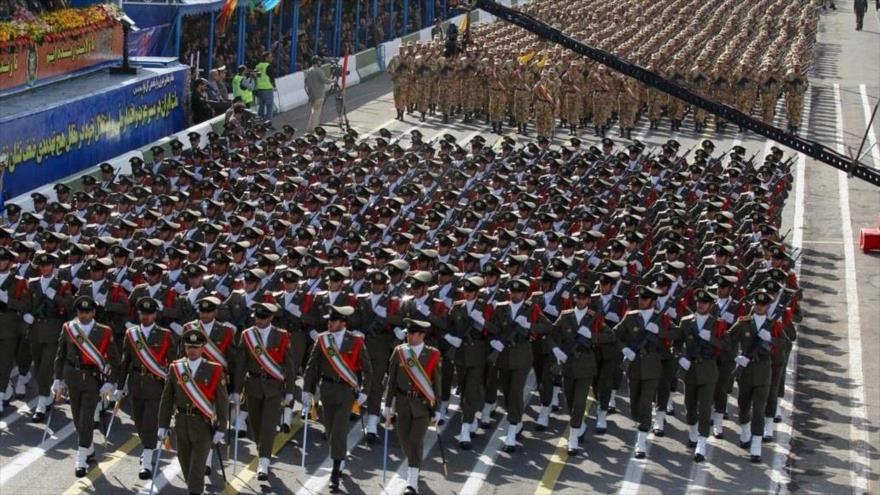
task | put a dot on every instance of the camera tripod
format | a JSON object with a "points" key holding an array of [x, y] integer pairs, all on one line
{"points": [[341, 114]]}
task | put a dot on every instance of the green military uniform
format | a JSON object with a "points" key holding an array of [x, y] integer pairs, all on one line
{"points": [[612, 308], [14, 301]]}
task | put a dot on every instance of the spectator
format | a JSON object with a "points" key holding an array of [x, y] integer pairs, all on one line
{"points": [[266, 87], [316, 84], [201, 104]]}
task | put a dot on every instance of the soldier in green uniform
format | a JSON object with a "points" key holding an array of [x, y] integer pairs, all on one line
{"points": [[195, 395], [87, 365], [702, 333], [14, 301], [146, 353], [726, 309], [611, 307], [414, 376], [265, 372], [339, 363]]}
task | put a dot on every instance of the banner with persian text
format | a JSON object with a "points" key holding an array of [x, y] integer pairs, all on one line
{"points": [[41, 147]]}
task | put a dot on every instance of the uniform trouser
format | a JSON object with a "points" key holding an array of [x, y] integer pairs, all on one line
{"points": [[667, 380], [8, 348], [606, 380], [194, 436], [448, 370], [752, 401], [698, 404], [543, 374], [512, 384], [641, 396], [263, 412], [491, 384], [575, 390], [44, 362], [860, 19], [336, 401], [23, 355], [411, 431], [145, 412], [470, 389], [379, 362], [777, 384], [83, 388], [722, 386]]}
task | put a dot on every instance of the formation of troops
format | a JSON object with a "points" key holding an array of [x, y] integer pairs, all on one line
{"points": [[747, 55]]}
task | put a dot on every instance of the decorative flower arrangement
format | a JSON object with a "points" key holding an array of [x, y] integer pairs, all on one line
{"points": [[25, 27]]}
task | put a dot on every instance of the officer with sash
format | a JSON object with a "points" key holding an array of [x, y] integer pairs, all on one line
{"points": [[265, 372], [195, 394], [340, 364], [414, 376], [147, 351], [87, 364]]}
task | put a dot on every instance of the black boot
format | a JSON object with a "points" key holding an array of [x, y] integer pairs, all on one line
{"points": [[335, 475], [422, 119], [445, 118]]}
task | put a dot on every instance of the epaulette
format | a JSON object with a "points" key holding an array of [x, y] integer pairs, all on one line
{"points": [[33, 279], [357, 334], [461, 302]]}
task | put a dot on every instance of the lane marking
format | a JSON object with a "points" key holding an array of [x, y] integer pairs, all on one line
{"points": [[87, 484], [28, 457], [859, 435], [240, 481], [397, 484], [486, 460], [164, 477], [559, 458], [19, 413], [872, 137], [318, 481]]}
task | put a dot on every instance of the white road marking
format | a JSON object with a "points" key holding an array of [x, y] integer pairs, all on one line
{"points": [[163, 477], [872, 137], [487, 458], [397, 484], [18, 414], [859, 435], [28, 457]]}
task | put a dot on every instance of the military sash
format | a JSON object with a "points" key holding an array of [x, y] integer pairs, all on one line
{"points": [[257, 348], [85, 345], [213, 352], [342, 368], [416, 372], [192, 389], [151, 362]]}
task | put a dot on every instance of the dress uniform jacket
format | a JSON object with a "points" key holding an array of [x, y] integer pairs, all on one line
{"points": [[12, 327], [516, 339]]}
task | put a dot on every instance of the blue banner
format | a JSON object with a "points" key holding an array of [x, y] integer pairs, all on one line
{"points": [[42, 147]]}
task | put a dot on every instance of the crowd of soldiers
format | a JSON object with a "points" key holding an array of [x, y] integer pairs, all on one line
{"points": [[746, 55], [389, 272]]}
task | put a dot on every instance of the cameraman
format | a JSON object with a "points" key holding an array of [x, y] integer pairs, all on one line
{"points": [[316, 84], [243, 85]]}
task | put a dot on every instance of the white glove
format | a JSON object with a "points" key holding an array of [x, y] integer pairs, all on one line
{"points": [[107, 389], [50, 293], [117, 395], [551, 310], [234, 399], [561, 358], [765, 335], [423, 309], [179, 287], [672, 313], [628, 354], [477, 316], [101, 299], [585, 332], [294, 309], [523, 322], [4, 296], [684, 363], [399, 333], [612, 317], [314, 335], [218, 438], [497, 345], [742, 361], [362, 397], [164, 433], [288, 399], [57, 387], [728, 317], [381, 311], [28, 318], [652, 327], [705, 335], [177, 327], [453, 340]]}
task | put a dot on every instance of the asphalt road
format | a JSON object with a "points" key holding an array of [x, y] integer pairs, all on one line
{"points": [[826, 444]]}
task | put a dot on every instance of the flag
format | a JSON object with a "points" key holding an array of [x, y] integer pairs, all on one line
{"points": [[465, 23], [525, 59], [270, 4], [226, 14], [344, 71]]}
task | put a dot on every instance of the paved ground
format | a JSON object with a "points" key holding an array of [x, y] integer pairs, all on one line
{"points": [[826, 443]]}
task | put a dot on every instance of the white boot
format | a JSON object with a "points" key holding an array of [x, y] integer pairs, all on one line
{"points": [[81, 455], [659, 422], [241, 421], [693, 433], [778, 412], [717, 424], [90, 450], [641, 444], [573, 442], [755, 450], [43, 402], [700, 454], [372, 423], [263, 465], [554, 402], [21, 384], [611, 402], [745, 433], [147, 459], [768, 429], [474, 426], [98, 408], [602, 421], [465, 434], [486, 413], [412, 478], [10, 392], [510, 441], [287, 415], [543, 418], [2, 398], [670, 405], [444, 409], [209, 461], [582, 429], [519, 426]]}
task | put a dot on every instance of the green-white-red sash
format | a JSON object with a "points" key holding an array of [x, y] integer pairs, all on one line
{"points": [[144, 353], [328, 347], [417, 373], [191, 388], [85, 345], [258, 350], [212, 352]]}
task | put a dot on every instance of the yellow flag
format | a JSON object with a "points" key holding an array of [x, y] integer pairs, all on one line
{"points": [[541, 63], [465, 22], [525, 59]]}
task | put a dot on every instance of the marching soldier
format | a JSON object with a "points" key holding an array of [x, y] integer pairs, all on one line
{"points": [[14, 302], [195, 395], [87, 365], [265, 373], [147, 352], [340, 364], [728, 310], [414, 376], [611, 307]]}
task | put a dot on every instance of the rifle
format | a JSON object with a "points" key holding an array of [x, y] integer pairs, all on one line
{"points": [[755, 345], [646, 338], [511, 330]]}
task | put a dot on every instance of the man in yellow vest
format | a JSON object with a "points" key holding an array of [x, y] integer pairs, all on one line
{"points": [[265, 87], [243, 85]]}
